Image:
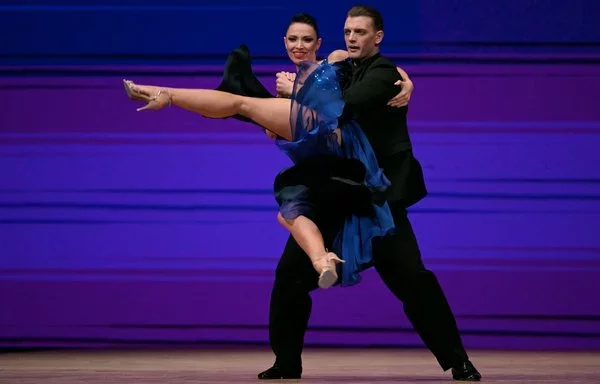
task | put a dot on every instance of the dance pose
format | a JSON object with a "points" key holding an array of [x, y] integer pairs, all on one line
{"points": [[335, 177], [396, 258]]}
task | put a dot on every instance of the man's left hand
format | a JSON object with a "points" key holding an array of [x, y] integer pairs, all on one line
{"points": [[402, 98]]}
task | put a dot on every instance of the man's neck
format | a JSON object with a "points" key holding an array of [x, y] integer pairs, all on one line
{"points": [[365, 58]]}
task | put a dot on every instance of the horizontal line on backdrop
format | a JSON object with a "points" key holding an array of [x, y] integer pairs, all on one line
{"points": [[256, 132], [433, 69], [236, 266], [506, 257], [100, 141], [543, 317], [580, 59], [413, 211], [396, 44], [324, 328], [512, 256], [474, 249], [254, 273], [81, 87], [138, 8], [248, 192], [420, 123], [135, 207], [548, 317], [268, 191], [150, 191], [40, 146], [199, 272], [251, 134], [472, 332], [18, 345], [190, 208], [273, 210], [223, 133], [518, 180], [64, 221], [89, 148]]}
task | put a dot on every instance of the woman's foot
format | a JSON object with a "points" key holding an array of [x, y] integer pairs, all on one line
{"points": [[326, 268], [155, 97]]}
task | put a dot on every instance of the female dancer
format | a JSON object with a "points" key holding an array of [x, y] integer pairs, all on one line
{"points": [[327, 159]]}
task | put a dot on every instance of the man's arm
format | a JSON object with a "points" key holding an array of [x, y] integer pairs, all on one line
{"points": [[405, 84], [375, 88], [406, 88], [403, 73]]}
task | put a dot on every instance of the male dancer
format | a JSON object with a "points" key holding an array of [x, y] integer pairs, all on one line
{"points": [[397, 258]]}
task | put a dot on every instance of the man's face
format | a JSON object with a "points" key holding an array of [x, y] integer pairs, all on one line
{"points": [[362, 40]]}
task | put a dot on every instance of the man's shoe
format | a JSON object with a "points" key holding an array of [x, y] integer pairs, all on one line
{"points": [[276, 373], [466, 371]]}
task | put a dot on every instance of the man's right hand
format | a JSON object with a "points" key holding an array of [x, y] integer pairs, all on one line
{"points": [[270, 134]]}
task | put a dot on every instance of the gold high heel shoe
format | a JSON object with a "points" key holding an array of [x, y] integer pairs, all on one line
{"points": [[158, 101], [328, 275]]}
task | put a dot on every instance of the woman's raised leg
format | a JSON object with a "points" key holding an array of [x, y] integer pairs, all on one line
{"points": [[273, 114]]}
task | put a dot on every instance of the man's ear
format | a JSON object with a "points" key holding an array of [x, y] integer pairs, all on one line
{"points": [[378, 37]]}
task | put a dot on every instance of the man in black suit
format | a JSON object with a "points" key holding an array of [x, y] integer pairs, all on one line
{"points": [[397, 258]]}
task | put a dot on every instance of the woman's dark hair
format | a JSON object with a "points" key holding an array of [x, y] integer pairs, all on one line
{"points": [[305, 18]]}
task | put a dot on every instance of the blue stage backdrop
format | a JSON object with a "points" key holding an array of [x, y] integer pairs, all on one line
{"points": [[119, 227], [157, 30]]}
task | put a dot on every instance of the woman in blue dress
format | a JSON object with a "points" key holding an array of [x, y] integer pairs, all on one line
{"points": [[335, 172]]}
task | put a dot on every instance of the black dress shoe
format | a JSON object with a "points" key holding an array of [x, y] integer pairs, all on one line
{"points": [[232, 79], [251, 85], [276, 373], [466, 371], [239, 79]]}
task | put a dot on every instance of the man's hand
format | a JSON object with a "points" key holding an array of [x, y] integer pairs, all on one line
{"points": [[270, 134], [402, 98], [284, 83]]}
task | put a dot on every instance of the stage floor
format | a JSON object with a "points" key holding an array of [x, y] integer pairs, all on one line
{"points": [[380, 366]]}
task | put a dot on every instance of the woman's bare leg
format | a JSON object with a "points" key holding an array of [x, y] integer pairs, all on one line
{"points": [[309, 238], [273, 114]]}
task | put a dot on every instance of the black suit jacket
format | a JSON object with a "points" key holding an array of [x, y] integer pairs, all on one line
{"points": [[366, 92]]}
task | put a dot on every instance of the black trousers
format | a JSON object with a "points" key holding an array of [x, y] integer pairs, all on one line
{"points": [[398, 261]]}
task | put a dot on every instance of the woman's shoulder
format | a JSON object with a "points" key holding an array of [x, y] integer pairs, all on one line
{"points": [[337, 55]]}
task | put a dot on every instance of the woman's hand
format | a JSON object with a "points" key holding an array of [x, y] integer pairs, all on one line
{"points": [[284, 83]]}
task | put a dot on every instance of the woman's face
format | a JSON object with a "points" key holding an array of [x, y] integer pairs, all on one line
{"points": [[301, 43]]}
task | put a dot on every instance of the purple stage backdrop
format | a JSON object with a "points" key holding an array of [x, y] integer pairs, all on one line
{"points": [[118, 227]]}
